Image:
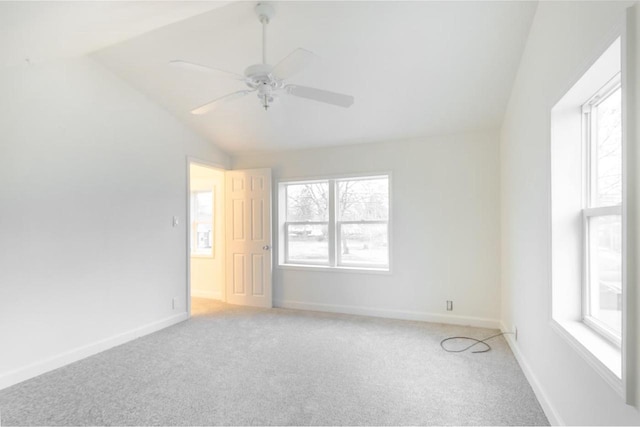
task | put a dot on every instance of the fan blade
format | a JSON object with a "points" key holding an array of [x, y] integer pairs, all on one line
{"points": [[293, 64], [203, 68], [321, 95], [210, 105]]}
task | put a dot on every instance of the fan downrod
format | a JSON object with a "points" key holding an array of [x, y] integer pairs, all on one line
{"points": [[259, 75]]}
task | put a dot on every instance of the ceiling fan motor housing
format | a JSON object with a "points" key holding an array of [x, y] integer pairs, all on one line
{"points": [[258, 72], [259, 77], [265, 10]]}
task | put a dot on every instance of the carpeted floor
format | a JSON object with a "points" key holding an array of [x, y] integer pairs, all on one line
{"points": [[244, 366]]}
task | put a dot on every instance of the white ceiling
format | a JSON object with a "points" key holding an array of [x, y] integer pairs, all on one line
{"points": [[415, 68], [40, 31]]}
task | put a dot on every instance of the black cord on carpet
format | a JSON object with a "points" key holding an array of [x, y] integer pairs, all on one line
{"points": [[482, 341]]}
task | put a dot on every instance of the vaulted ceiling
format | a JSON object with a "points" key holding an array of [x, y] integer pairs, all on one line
{"points": [[40, 31], [414, 68]]}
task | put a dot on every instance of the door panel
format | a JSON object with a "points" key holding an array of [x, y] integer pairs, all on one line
{"points": [[248, 201], [257, 275]]}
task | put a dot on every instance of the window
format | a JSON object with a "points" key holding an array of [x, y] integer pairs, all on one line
{"points": [[202, 223], [602, 215], [340, 222], [587, 219], [363, 222], [307, 225]]}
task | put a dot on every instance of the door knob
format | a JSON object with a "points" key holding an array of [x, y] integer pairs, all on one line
{"points": [[266, 247]]}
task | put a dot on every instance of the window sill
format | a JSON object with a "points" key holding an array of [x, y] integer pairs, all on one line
{"points": [[327, 269], [600, 353]]}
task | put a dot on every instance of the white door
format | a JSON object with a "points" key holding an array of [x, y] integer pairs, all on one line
{"points": [[248, 237]]}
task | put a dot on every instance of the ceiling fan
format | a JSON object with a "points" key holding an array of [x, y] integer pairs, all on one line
{"points": [[267, 81]]}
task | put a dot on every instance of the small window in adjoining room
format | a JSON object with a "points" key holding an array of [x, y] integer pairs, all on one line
{"points": [[339, 223], [602, 214], [202, 223], [307, 223]]}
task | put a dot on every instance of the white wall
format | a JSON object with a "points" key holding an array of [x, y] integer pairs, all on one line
{"points": [[207, 272], [91, 174], [565, 37], [445, 230]]}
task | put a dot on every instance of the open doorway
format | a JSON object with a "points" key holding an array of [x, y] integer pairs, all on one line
{"points": [[206, 228]]}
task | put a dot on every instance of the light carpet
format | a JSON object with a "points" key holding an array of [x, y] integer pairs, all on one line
{"points": [[245, 366]]}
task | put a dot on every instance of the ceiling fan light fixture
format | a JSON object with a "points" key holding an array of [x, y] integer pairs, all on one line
{"points": [[265, 94], [266, 102]]}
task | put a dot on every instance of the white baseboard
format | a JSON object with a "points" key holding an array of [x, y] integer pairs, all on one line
{"points": [[480, 322], [545, 402], [38, 368], [206, 294]]}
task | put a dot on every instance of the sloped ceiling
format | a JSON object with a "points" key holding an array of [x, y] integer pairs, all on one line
{"points": [[415, 68], [40, 31]]}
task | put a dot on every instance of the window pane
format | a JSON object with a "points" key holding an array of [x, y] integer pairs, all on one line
{"points": [[365, 199], [204, 238], [605, 271], [308, 243], [608, 151], [308, 202], [364, 244], [204, 206], [202, 223]]}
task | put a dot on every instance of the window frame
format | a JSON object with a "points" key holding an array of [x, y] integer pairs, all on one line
{"points": [[567, 200], [590, 211], [333, 226]]}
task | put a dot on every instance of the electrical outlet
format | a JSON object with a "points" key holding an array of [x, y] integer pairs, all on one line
{"points": [[449, 305], [515, 333], [173, 303]]}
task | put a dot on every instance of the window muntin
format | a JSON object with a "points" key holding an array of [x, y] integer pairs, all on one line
{"points": [[202, 223], [602, 276], [337, 222]]}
